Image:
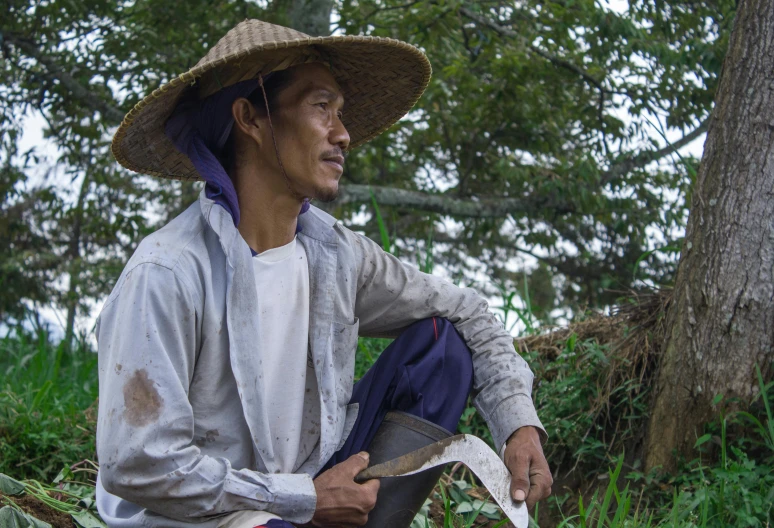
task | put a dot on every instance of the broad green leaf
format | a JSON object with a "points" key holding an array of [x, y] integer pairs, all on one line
{"points": [[703, 439], [461, 484], [10, 486], [13, 518], [457, 495], [65, 474], [87, 503], [486, 507], [420, 521]]}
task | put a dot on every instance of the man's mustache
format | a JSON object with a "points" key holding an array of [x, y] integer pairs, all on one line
{"points": [[335, 153]]}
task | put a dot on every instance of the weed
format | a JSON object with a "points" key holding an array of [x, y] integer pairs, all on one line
{"points": [[74, 498], [368, 351], [524, 314], [47, 420], [47, 411], [387, 245]]}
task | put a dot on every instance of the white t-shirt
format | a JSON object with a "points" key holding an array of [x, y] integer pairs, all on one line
{"points": [[290, 384]]}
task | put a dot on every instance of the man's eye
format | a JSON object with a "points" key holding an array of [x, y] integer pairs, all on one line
{"points": [[341, 116], [324, 106]]}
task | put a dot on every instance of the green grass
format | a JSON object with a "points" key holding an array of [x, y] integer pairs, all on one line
{"points": [[47, 421], [47, 412], [738, 490]]}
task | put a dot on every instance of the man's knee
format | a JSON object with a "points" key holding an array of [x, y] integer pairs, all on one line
{"points": [[457, 356]]}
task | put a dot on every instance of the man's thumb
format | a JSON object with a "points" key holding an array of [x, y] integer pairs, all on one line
{"points": [[519, 488], [358, 462]]}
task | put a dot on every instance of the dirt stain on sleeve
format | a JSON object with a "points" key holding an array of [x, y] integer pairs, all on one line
{"points": [[208, 438], [142, 401]]}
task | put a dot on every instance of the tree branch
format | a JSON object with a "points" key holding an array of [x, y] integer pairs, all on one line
{"points": [[111, 113], [643, 158], [433, 203], [496, 207]]}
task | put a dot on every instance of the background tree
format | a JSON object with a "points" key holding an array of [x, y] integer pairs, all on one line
{"points": [[719, 325], [535, 139], [536, 133], [80, 65]]}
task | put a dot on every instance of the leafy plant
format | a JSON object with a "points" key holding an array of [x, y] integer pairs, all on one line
{"points": [[74, 498], [523, 314], [468, 506]]}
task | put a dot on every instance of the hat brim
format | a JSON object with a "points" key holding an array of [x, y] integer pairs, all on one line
{"points": [[381, 79]]}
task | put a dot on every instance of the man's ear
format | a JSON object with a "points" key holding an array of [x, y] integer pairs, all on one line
{"points": [[246, 119]]}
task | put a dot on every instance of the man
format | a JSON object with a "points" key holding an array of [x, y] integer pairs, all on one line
{"points": [[227, 347]]}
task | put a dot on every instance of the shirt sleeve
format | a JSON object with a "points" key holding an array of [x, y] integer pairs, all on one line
{"points": [[148, 336], [391, 295]]}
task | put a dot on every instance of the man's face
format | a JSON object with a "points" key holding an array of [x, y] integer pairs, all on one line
{"points": [[310, 135]]}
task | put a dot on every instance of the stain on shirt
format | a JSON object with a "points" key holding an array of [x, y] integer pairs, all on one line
{"points": [[142, 401]]}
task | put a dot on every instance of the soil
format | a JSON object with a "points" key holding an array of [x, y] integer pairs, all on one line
{"points": [[41, 511]]}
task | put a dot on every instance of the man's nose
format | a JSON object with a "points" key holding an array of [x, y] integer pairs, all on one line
{"points": [[339, 135]]}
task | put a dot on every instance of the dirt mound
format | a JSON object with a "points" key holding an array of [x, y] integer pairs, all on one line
{"points": [[40, 510]]}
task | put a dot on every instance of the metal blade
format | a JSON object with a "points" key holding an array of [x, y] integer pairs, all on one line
{"points": [[471, 451]]}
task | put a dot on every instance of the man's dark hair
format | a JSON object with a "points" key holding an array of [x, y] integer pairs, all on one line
{"points": [[274, 85]]}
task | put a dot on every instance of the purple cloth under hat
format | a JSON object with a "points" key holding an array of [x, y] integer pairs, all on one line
{"points": [[200, 129]]}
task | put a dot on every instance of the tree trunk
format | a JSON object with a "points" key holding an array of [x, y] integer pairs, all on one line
{"points": [[721, 323], [312, 17], [74, 271]]}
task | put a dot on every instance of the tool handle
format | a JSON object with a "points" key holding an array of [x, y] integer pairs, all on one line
{"points": [[361, 477]]}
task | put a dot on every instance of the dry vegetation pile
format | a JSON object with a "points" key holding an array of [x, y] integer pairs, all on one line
{"points": [[608, 362], [40, 510]]}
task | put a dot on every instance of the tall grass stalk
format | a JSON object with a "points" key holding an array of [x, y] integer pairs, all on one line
{"points": [[383, 232]]}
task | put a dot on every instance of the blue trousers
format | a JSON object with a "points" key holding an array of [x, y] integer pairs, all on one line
{"points": [[427, 371]]}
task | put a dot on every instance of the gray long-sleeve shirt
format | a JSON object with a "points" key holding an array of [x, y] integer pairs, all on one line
{"points": [[182, 430]]}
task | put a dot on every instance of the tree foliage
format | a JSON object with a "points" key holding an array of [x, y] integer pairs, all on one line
{"points": [[541, 117], [535, 138]]}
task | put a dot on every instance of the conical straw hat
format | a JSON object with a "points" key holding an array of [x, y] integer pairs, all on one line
{"points": [[381, 79]]}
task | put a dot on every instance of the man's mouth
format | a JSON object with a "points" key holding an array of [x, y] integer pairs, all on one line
{"points": [[336, 162]]}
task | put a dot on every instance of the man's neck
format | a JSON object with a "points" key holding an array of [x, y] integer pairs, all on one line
{"points": [[268, 212]]}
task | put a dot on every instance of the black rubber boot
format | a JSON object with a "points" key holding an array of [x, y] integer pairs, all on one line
{"points": [[400, 498]]}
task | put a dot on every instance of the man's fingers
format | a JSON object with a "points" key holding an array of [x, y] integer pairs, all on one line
{"points": [[520, 478], [371, 487], [540, 485], [540, 480], [341, 502]]}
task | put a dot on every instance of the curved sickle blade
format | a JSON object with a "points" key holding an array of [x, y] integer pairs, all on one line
{"points": [[471, 451]]}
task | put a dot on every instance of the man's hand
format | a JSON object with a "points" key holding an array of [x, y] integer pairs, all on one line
{"points": [[530, 477], [342, 503]]}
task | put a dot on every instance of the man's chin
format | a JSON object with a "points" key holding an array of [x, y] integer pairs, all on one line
{"points": [[327, 195]]}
